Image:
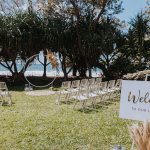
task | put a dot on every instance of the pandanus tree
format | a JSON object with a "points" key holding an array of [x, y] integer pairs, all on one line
{"points": [[61, 40], [85, 17], [21, 37], [112, 41]]}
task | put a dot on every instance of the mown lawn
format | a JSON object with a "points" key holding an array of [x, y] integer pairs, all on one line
{"points": [[37, 123]]}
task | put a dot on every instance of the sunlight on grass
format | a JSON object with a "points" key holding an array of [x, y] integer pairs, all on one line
{"points": [[37, 123]]}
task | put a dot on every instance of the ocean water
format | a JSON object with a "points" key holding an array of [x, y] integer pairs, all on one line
{"points": [[33, 67], [37, 70]]}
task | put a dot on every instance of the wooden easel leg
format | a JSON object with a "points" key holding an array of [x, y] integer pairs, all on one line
{"points": [[132, 147]]}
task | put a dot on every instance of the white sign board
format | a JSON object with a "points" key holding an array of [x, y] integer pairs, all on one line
{"points": [[135, 100]]}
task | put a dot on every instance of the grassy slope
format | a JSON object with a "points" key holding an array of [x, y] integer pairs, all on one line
{"points": [[37, 123]]}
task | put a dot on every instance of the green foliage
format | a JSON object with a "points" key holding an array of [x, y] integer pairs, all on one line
{"points": [[22, 35], [138, 47], [38, 123], [85, 33]]}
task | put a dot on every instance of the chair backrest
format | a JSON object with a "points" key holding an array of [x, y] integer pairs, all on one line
{"points": [[104, 85], [98, 80], [91, 81], [84, 82], [93, 87], [111, 84], [118, 83], [3, 86], [75, 84], [66, 84]]}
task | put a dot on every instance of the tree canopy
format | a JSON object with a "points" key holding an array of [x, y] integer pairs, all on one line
{"points": [[85, 33]]}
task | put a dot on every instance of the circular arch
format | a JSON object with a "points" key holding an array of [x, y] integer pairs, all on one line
{"points": [[42, 86]]}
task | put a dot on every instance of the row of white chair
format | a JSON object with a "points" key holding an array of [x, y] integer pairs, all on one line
{"points": [[71, 87], [92, 89]]}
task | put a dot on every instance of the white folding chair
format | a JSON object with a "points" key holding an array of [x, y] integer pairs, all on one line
{"points": [[117, 86], [110, 88], [80, 97], [64, 93], [84, 84], [102, 90], [84, 95], [101, 93], [91, 93], [74, 88], [5, 93], [111, 91]]}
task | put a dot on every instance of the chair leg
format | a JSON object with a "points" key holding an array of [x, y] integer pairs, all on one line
{"points": [[67, 97], [10, 101], [103, 97], [58, 99], [3, 101], [75, 104], [83, 105], [110, 99], [93, 101]]}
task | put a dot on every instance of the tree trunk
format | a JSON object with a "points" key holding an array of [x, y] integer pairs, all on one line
{"points": [[82, 72], [74, 73], [65, 73], [15, 67], [104, 69], [90, 73], [44, 65], [64, 68]]}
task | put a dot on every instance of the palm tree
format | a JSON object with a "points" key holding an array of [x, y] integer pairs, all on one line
{"points": [[139, 28]]}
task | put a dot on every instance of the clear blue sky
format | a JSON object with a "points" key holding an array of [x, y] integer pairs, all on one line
{"points": [[131, 8]]}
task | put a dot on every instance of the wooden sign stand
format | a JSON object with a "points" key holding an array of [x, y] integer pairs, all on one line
{"points": [[132, 146]]}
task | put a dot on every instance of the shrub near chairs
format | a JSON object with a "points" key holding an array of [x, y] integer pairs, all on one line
{"points": [[5, 93]]}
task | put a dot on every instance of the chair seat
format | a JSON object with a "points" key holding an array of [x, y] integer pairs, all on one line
{"points": [[64, 92], [4, 93], [110, 90], [101, 92], [73, 90], [116, 88], [92, 95], [79, 97]]}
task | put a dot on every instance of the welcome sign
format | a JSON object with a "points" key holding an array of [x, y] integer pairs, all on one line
{"points": [[135, 100]]}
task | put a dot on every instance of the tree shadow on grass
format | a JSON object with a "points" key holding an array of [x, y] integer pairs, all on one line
{"points": [[6, 104], [103, 105], [67, 102]]}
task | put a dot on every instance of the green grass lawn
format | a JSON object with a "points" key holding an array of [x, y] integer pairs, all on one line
{"points": [[37, 123]]}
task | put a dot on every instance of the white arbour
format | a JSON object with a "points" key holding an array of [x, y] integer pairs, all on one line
{"points": [[33, 60]]}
